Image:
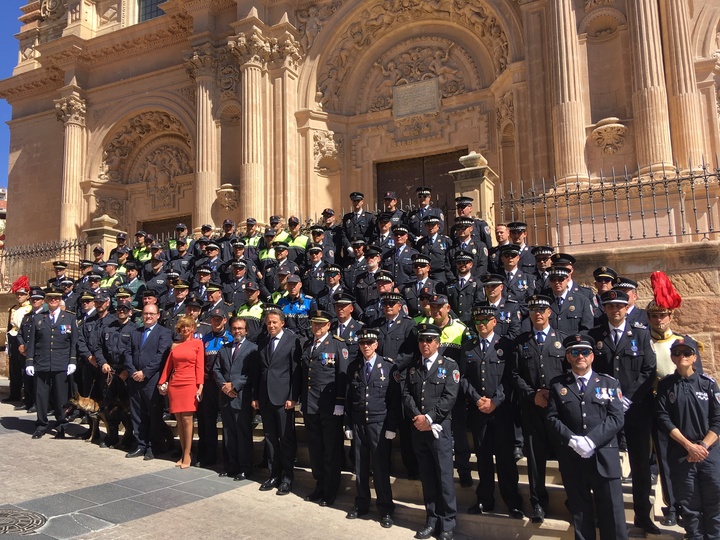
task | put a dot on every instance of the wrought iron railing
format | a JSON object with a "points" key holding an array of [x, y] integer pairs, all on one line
{"points": [[35, 261], [657, 206]]}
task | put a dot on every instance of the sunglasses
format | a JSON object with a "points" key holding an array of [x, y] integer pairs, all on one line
{"points": [[366, 342], [511, 255], [686, 353], [485, 320], [604, 280], [388, 302], [425, 340], [538, 309], [557, 278], [580, 352]]}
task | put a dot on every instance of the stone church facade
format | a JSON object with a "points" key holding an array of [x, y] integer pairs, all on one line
{"points": [[199, 110]]}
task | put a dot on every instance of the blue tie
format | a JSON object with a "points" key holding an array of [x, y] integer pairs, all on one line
{"points": [[146, 333], [540, 337]]}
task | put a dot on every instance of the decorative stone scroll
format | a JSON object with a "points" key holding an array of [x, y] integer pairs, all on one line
{"points": [[590, 4], [71, 110], [228, 197], [51, 10], [115, 208], [609, 135]]}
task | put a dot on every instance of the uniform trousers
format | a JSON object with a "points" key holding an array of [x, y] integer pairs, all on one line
{"points": [[325, 443], [409, 458], [460, 437], [697, 490], [539, 447], [637, 435], [660, 443], [436, 475], [237, 437], [580, 477], [50, 385], [494, 435], [146, 408], [372, 451], [207, 413], [16, 369], [280, 443]]}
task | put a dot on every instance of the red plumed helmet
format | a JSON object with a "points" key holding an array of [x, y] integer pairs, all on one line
{"points": [[664, 292], [21, 284]]}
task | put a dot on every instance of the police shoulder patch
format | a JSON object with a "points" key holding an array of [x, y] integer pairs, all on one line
{"points": [[390, 360], [345, 354], [456, 375], [397, 376]]}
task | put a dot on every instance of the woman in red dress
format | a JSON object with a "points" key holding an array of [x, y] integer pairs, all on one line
{"points": [[182, 379]]}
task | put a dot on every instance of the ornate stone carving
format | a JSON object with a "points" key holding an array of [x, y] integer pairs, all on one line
{"points": [[414, 128], [188, 93], [251, 48], [71, 110], [601, 24], [108, 13], [609, 135], [312, 20], [114, 208], [129, 136], [418, 64], [589, 4], [162, 165], [385, 14], [51, 10], [285, 51], [506, 110], [328, 149], [228, 197], [227, 76], [201, 62]]}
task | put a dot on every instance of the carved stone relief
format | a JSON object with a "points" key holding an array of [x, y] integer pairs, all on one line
{"points": [[609, 135], [505, 110], [383, 15], [71, 110], [273, 52], [312, 20], [115, 208], [109, 12], [51, 10], [328, 151], [228, 197], [602, 23], [227, 77], [158, 168], [590, 4]]}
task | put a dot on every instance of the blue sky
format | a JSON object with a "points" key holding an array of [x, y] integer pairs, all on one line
{"points": [[9, 26]]}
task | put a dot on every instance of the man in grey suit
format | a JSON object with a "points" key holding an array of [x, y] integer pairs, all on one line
{"points": [[233, 372], [144, 359], [275, 393]]}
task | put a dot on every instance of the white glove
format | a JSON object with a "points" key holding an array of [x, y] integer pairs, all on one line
{"points": [[626, 403], [585, 447], [348, 434], [390, 435], [71, 369], [30, 371], [339, 410], [436, 429], [350, 251]]}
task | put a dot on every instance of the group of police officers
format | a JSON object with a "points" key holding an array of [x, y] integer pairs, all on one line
{"points": [[382, 325]]}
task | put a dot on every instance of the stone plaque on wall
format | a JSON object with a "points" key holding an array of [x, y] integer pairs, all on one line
{"points": [[416, 98]]}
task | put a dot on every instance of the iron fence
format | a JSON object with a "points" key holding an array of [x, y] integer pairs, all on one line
{"points": [[657, 206], [35, 261]]}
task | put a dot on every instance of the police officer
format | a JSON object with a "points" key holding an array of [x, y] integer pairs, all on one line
{"points": [[467, 291], [325, 241], [571, 313], [397, 216], [358, 264], [625, 352], [563, 259], [508, 314], [519, 285], [344, 325], [604, 277], [172, 312], [252, 311], [383, 239], [59, 267], [435, 247], [538, 357], [416, 218], [543, 262], [314, 276], [324, 361], [518, 236], [399, 260], [51, 360], [373, 310], [372, 414], [481, 230], [37, 305], [297, 306], [688, 408], [585, 412], [486, 380], [636, 316], [463, 242], [357, 224], [16, 314], [431, 388]]}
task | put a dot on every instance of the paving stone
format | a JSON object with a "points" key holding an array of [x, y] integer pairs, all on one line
{"points": [[104, 493], [146, 482], [205, 487], [56, 505], [166, 499], [121, 511], [72, 525], [185, 475]]}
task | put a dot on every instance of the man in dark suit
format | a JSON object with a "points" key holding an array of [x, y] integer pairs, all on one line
{"points": [[51, 360], [149, 347], [233, 372], [585, 412], [626, 353], [275, 392]]}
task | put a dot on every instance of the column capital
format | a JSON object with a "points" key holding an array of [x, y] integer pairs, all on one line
{"points": [[201, 61], [71, 109], [252, 48]]}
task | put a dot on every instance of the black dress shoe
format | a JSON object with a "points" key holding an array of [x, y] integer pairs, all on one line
{"points": [[270, 483], [476, 509], [149, 455], [60, 433], [138, 452], [326, 502], [32, 409], [239, 477], [516, 513], [427, 532], [466, 480], [38, 433], [314, 496], [445, 535], [670, 520], [230, 473], [518, 453], [538, 515], [20, 408], [386, 521], [648, 526], [283, 488], [356, 513]]}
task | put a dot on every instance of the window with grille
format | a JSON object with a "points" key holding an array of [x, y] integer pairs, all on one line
{"points": [[149, 9]]}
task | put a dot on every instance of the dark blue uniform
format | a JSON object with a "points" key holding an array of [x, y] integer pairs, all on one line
{"points": [[415, 221], [692, 405], [462, 298], [436, 249], [400, 265]]}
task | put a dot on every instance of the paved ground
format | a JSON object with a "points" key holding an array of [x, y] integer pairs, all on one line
{"points": [[87, 492]]}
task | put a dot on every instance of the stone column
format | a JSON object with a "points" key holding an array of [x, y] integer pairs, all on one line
{"points": [[253, 51], [683, 95], [650, 105], [201, 65], [568, 110], [71, 109]]}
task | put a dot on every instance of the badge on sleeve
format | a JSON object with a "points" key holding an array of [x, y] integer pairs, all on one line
{"points": [[397, 376], [599, 345], [717, 397], [345, 354], [456, 375], [563, 391], [671, 397]]}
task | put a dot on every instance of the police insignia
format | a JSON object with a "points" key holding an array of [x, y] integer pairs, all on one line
{"points": [[456, 376], [486, 251], [331, 252], [571, 308], [563, 391], [599, 345], [558, 345], [717, 397], [570, 299], [397, 376], [345, 354], [671, 397], [500, 352], [487, 229]]}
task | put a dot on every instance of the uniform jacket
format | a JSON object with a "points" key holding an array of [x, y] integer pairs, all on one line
{"points": [[324, 375], [462, 299], [535, 365], [374, 400], [487, 374], [52, 347], [398, 341], [433, 393], [400, 265], [437, 251]]}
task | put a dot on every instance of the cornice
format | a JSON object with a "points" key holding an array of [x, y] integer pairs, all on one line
{"points": [[32, 83]]}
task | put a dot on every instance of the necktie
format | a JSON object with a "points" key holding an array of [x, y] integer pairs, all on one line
{"points": [[462, 282], [389, 325], [273, 344], [341, 329], [463, 246], [399, 251], [428, 364], [54, 319], [236, 348], [146, 333], [484, 345], [583, 385], [616, 336], [509, 276], [368, 371], [559, 301], [540, 337]]}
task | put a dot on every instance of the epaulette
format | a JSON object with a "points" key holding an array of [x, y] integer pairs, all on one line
{"points": [[708, 377], [338, 338], [229, 305], [608, 376], [638, 324], [388, 359], [203, 324]]}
